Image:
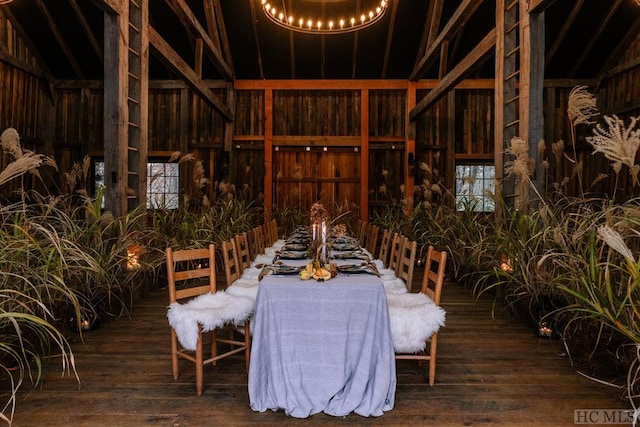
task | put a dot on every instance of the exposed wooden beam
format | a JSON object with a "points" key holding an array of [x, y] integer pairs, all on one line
{"points": [[254, 27], [42, 64], [222, 33], [97, 49], [20, 64], [387, 49], [174, 61], [459, 72], [622, 68], [563, 32], [116, 111], [434, 23], [531, 108], [354, 57], [193, 26], [594, 38], [422, 47], [60, 39], [210, 15], [347, 84], [199, 53], [460, 17], [537, 6], [317, 141], [111, 6]]}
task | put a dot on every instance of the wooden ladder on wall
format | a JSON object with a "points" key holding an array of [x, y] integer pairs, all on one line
{"points": [[510, 86], [135, 175]]}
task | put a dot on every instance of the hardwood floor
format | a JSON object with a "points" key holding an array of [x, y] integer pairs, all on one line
{"points": [[490, 372]]}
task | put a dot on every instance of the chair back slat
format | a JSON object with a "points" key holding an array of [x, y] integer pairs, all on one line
{"points": [[188, 264], [259, 243], [407, 262], [434, 273], [372, 239], [385, 246], [362, 233], [242, 251], [230, 261], [396, 251]]}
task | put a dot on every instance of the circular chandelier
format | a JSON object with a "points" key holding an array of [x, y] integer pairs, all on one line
{"points": [[315, 22]]}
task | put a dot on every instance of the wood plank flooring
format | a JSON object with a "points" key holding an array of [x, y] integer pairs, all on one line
{"points": [[490, 372]]}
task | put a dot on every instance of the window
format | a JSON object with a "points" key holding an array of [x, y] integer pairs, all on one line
{"points": [[474, 187], [163, 184]]}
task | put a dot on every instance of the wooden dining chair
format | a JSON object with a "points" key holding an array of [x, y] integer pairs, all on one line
{"points": [[397, 243], [259, 243], [195, 307], [432, 283], [385, 246], [251, 239], [273, 232], [230, 260], [407, 262], [371, 240], [266, 227], [362, 234], [242, 251], [237, 283]]}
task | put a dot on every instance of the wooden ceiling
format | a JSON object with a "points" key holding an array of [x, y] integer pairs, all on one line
{"points": [[582, 38]]}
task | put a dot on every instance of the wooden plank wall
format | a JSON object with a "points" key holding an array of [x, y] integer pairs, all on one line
{"points": [[26, 102]]}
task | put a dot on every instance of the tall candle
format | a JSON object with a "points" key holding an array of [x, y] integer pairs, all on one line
{"points": [[324, 240]]}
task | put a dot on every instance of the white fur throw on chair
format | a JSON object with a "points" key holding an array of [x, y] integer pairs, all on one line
{"points": [[414, 317], [211, 311], [244, 288]]}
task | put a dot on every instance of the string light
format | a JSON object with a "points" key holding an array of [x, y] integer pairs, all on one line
{"points": [[333, 25]]}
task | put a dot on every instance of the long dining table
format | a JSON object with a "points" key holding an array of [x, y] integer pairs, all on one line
{"points": [[322, 346]]}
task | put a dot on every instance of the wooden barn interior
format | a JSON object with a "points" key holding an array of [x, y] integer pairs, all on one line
{"points": [[360, 120]]}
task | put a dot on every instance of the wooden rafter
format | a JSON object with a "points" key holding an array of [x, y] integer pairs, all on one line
{"points": [[594, 38], [97, 49], [193, 26], [459, 72], [174, 61], [254, 28], [387, 49], [212, 23], [60, 39], [422, 47], [42, 69], [460, 17], [222, 31]]}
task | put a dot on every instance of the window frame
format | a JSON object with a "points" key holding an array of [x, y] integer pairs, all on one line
{"points": [[478, 202]]}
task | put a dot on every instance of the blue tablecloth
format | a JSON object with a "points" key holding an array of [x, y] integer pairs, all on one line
{"points": [[322, 347]]}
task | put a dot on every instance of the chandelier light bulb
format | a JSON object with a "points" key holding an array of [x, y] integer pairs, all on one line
{"points": [[292, 19]]}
